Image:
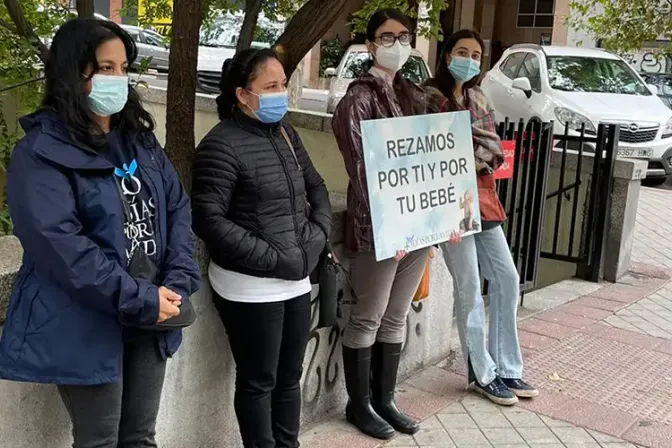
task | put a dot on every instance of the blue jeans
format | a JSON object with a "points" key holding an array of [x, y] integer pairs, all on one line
{"points": [[489, 249]]}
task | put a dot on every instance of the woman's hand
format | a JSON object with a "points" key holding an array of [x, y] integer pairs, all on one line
{"points": [[169, 304], [400, 255], [455, 238]]}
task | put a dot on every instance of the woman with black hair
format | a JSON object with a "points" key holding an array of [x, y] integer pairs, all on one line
{"points": [[90, 144], [374, 334], [495, 370], [263, 212]]}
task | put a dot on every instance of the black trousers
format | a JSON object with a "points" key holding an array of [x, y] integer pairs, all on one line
{"points": [[268, 341], [120, 415]]}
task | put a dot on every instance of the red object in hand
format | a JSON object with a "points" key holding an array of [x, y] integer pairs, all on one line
{"points": [[505, 171]]}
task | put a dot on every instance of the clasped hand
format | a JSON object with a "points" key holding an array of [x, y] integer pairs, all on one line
{"points": [[169, 304]]}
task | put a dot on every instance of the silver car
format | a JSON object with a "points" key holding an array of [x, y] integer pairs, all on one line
{"points": [[150, 45]]}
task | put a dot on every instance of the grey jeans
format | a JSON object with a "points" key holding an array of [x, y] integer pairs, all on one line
{"points": [[120, 415], [384, 291]]}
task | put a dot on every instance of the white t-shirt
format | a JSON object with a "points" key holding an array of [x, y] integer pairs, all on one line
{"points": [[239, 287]]}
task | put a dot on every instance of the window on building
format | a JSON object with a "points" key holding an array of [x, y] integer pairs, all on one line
{"points": [[535, 13]]}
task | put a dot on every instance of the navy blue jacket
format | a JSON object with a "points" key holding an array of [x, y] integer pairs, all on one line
{"points": [[63, 319]]}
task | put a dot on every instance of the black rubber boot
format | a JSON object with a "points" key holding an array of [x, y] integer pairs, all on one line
{"points": [[384, 369], [359, 412]]}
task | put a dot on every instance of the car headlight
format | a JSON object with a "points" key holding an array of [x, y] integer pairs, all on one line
{"points": [[667, 130], [573, 119]]}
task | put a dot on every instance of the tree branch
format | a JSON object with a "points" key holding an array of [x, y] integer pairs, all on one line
{"points": [[305, 29], [252, 10], [85, 9], [25, 30], [8, 26]]}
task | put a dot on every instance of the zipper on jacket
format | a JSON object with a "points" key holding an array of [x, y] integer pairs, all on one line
{"points": [[292, 193]]}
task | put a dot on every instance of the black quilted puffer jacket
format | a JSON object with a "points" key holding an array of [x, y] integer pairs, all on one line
{"points": [[259, 210]]}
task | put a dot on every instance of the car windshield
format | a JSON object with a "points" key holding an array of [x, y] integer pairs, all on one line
{"points": [[358, 62], [582, 74], [662, 81]]}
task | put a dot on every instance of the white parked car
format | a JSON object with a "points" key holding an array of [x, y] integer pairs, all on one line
{"points": [[356, 60], [578, 86]]}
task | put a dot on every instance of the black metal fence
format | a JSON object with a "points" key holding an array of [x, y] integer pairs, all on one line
{"points": [[531, 198], [583, 243]]}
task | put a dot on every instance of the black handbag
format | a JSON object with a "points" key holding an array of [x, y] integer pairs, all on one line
{"points": [[330, 274], [141, 266]]}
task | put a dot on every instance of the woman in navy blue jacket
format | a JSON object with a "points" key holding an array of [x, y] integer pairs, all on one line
{"points": [[63, 323]]}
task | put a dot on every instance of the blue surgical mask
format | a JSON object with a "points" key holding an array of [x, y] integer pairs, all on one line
{"points": [[272, 107], [108, 94], [464, 69]]}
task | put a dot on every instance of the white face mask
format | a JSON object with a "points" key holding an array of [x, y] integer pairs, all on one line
{"points": [[394, 57]]}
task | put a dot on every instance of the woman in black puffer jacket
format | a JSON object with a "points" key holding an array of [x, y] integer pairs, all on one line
{"points": [[263, 212]]}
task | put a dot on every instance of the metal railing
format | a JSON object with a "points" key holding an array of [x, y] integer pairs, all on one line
{"points": [[527, 199]]}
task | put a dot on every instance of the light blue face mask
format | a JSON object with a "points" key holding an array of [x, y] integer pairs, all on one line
{"points": [[464, 69], [108, 94], [272, 107]]}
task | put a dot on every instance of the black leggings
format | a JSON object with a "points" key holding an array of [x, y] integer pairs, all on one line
{"points": [[268, 341]]}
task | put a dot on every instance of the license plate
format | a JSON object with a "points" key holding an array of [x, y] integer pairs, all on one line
{"points": [[634, 153]]}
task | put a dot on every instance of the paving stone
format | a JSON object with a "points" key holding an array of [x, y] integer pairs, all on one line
{"points": [[457, 421], [520, 418], [554, 423], [436, 437], [468, 438], [573, 435], [603, 438], [403, 441], [491, 420], [502, 436], [538, 435], [455, 408]]}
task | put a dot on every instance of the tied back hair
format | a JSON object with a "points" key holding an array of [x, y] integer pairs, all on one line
{"points": [[72, 52], [405, 91], [239, 71], [444, 80]]}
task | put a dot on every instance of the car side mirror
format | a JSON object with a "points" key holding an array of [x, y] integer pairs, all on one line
{"points": [[330, 72], [653, 89], [523, 84]]}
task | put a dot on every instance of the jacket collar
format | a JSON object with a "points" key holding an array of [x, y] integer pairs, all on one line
{"points": [[69, 153], [253, 125]]}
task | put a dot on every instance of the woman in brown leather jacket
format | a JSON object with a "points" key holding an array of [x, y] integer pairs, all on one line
{"points": [[384, 290], [496, 371]]}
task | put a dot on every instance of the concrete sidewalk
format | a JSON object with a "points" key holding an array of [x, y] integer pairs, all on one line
{"points": [[601, 356]]}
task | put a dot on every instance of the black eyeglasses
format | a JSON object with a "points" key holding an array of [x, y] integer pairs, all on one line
{"points": [[388, 39]]}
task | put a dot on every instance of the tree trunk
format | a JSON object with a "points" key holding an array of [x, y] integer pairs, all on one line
{"points": [[305, 29], [85, 9], [25, 30], [181, 101], [252, 10]]}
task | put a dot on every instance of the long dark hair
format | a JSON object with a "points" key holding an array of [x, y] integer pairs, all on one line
{"points": [[72, 51], [444, 80], [406, 91], [239, 71]]}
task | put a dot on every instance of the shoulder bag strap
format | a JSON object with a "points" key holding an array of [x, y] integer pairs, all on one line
{"points": [[284, 134]]}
